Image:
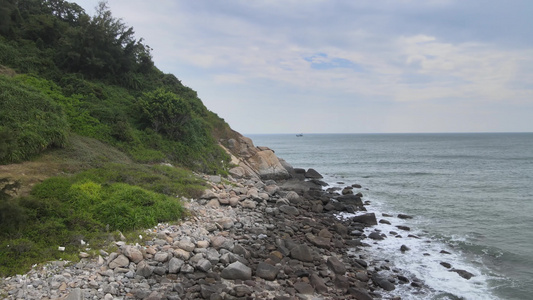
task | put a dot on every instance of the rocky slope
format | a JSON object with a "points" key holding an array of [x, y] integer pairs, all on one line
{"points": [[247, 238]]}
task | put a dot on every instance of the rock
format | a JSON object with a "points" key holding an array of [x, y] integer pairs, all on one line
{"points": [[208, 195], [186, 244], [290, 210], [402, 216], [120, 262], [375, 235], [445, 264], [318, 283], [249, 204], [402, 227], [225, 223], [236, 270], [134, 254], [144, 270], [368, 219], [266, 271], [75, 294], [404, 248], [312, 173], [182, 254], [272, 189], [161, 256], [336, 265], [174, 265], [465, 274], [383, 221], [204, 265], [304, 288], [302, 252], [383, 282], [359, 294]]}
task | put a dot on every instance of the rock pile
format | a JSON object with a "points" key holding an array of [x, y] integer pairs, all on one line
{"points": [[245, 239]]}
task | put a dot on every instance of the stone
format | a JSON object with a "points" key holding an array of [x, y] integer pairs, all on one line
{"points": [[182, 254], [174, 265], [134, 254], [304, 288], [290, 210], [312, 173], [359, 294], [383, 282], [186, 244], [402, 216], [266, 271], [161, 256], [204, 265], [367, 219], [463, 273], [383, 221], [445, 264], [318, 283], [120, 262], [144, 270], [336, 265], [225, 222], [236, 270], [402, 227], [303, 253], [272, 189], [75, 294], [404, 248], [247, 203], [375, 235]]}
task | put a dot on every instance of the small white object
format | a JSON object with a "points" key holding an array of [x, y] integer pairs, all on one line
{"points": [[82, 242], [140, 237], [61, 248]]}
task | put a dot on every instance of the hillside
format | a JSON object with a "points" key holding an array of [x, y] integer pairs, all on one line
{"points": [[89, 127]]}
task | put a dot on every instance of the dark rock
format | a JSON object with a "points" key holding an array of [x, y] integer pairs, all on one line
{"points": [[402, 216], [312, 173], [304, 288], [336, 265], [445, 264], [444, 252], [404, 248], [383, 282], [144, 270], [383, 221], [465, 274], [402, 227], [236, 270], [403, 279], [342, 282], [302, 253], [359, 294], [266, 271], [350, 200], [318, 283], [368, 219], [290, 210], [340, 229], [375, 235]]}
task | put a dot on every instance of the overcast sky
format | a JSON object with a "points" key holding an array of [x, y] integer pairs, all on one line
{"points": [[365, 66]]}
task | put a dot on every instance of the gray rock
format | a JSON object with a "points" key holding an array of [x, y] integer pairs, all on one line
{"points": [[266, 271], [120, 261], [312, 173], [237, 270], [134, 254], [359, 294], [144, 269], [402, 216], [336, 265], [383, 282], [75, 294], [318, 283], [465, 274], [204, 265], [375, 235], [161, 256], [302, 252], [304, 288], [367, 219], [290, 210], [174, 265]]}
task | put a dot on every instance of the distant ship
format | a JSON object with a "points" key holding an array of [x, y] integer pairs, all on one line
{"points": [[300, 135]]}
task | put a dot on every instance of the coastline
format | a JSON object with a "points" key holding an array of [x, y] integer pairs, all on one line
{"points": [[247, 238]]}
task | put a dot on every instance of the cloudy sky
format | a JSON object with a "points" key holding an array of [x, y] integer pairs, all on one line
{"points": [[345, 66]]}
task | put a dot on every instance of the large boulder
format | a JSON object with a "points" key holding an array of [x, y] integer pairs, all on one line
{"points": [[254, 162], [367, 219]]}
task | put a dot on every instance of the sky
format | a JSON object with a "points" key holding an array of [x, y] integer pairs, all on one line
{"points": [[344, 66]]}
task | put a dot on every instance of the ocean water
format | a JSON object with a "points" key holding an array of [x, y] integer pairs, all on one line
{"points": [[471, 194]]}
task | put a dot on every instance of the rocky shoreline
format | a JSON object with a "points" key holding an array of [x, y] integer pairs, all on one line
{"points": [[245, 239]]}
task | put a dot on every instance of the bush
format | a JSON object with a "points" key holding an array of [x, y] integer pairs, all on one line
{"points": [[33, 121]]}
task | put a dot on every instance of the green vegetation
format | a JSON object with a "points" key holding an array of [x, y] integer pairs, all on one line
{"points": [[86, 121]]}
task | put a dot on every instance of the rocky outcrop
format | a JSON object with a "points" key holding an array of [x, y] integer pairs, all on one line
{"points": [[254, 162]]}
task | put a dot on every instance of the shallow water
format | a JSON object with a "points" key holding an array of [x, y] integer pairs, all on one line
{"points": [[471, 194]]}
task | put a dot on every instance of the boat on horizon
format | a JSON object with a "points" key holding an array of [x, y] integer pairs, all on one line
{"points": [[299, 134]]}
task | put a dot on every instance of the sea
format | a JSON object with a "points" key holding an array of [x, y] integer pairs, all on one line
{"points": [[470, 194]]}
